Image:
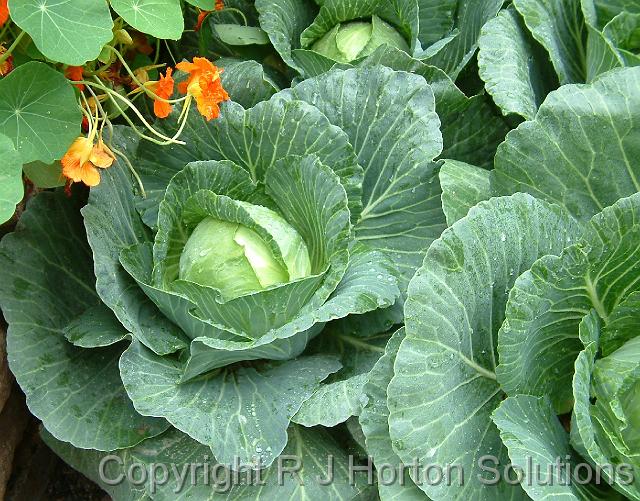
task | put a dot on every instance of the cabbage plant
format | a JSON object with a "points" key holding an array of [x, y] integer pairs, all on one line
{"points": [[582, 39], [193, 317]]}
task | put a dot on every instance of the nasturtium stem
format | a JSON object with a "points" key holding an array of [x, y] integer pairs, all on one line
{"points": [[114, 94], [11, 48], [4, 30], [156, 56], [139, 83], [237, 11]]}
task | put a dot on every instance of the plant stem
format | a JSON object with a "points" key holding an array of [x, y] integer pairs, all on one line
{"points": [[15, 43]]}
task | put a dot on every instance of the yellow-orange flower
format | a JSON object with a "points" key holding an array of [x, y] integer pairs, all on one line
{"points": [[219, 4], [204, 85], [81, 162], [4, 12], [163, 88], [75, 74]]}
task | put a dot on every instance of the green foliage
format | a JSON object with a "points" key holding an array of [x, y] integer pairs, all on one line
{"points": [[411, 234]]}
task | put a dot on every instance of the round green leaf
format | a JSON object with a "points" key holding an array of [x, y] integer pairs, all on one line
{"points": [[11, 188], [44, 175], [68, 31], [38, 111], [158, 18]]}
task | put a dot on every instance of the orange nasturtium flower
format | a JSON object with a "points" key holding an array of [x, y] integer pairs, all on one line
{"points": [[81, 161], [204, 85], [203, 14], [75, 74], [162, 88], [4, 12]]}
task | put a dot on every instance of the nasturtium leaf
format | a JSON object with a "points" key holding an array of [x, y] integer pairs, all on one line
{"points": [[11, 187], [580, 151], [463, 186], [47, 277], [158, 18], [536, 439], [45, 175], [455, 306], [67, 31], [538, 343], [514, 68], [38, 112]]}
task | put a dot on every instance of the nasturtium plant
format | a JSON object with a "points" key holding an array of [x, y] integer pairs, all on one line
{"points": [[11, 190], [38, 112]]}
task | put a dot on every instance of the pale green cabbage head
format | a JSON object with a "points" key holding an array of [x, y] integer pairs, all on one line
{"points": [[347, 42], [236, 260]]}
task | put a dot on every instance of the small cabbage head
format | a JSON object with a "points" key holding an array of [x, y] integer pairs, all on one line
{"points": [[347, 42], [236, 260]]}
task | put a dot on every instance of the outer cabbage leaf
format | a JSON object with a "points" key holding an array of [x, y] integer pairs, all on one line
{"points": [[463, 186], [538, 343], [45, 269], [240, 413], [391, 122], [436, 20], [177, 448], [559, 27], [471, 130], [342, 396], [455, 306], [580, 149], [112, 224], [374, 420], [254, 139], [514, 67], [246, 81], [591, 432], [536, 439], [456, 53]]}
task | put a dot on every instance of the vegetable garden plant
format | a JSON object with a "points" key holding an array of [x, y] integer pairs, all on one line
{"points": [[401, 234]]}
